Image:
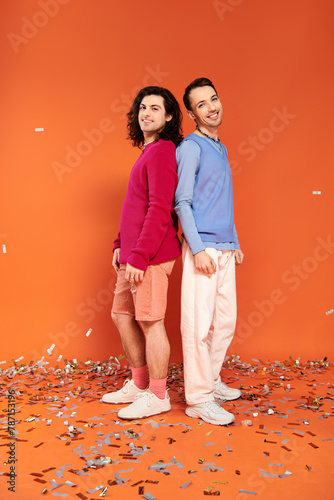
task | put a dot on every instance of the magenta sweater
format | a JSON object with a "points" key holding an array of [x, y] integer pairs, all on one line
{"points": [[148, 229]]}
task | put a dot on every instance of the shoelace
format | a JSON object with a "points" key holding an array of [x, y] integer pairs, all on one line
{"points": [[222, 385], [125, 388], [213, 406], [145, 395]]}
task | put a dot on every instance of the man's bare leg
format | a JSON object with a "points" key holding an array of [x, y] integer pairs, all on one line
{"points": [[132, 338], [156, 400], [133, 341], [157, 348]]}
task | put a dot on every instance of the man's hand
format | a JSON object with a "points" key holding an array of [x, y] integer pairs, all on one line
{"points": [[133, 274], [239, 256], [115, 259], [204, 263]]}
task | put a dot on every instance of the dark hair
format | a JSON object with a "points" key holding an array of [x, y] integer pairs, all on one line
{"points": [[172, 131], [199, 82]]}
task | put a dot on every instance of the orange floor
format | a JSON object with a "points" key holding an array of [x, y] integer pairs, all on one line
{"points": [[68, 444]]}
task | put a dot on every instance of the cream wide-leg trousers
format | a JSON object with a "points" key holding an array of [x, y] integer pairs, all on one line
{"points": [[208, 318]]}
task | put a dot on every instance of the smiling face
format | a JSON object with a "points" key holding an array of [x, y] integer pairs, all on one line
{"points": [[206, 108], [152, 116]]}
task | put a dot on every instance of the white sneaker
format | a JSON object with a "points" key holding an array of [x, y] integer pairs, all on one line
{"points": [[125, 395], [145, 405], [210, 412], [222, 391]]}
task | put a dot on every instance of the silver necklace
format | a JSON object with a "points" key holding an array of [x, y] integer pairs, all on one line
{"points": [[216, 141], [147, 143]]}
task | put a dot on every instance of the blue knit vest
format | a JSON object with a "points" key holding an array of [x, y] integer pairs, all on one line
{"points": [[212, 204]]}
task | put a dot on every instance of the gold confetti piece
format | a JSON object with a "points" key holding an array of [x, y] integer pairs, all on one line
{"points": [[201, 460], [141, 490], [112, 482], [83, 497], [307, 467], [199, 425], [297, 434], [138, 482], [44, 491], [217, 454], [192, 471], [209, 433], [38, 445]]}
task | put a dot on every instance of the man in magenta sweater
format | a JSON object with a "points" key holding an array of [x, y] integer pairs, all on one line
{"points": [[145, 252]]}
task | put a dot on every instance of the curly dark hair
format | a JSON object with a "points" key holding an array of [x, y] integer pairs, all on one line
{"points": [[199, 82], [172, 130]]}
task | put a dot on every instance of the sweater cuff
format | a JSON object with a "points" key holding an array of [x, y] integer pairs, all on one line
{"points": [[138, 261], [197, 247]]}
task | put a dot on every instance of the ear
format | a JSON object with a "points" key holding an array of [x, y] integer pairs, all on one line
{"points": [[191, 115], [168, 118]]}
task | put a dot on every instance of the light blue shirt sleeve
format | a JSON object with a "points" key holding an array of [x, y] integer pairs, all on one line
{"points": [[188, 158]]}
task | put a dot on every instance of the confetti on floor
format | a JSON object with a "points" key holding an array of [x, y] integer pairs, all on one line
{"points": [[66, 443]]}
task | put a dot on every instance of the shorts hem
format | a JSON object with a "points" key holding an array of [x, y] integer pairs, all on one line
{"points": [[123, 312], [149, 319]]}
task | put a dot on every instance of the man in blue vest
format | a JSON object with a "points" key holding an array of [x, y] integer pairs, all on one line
{"points": [[210, 250]]}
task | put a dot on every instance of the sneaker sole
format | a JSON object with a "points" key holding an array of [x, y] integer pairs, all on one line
{"points": [[118, 401], [223, 398], [132, 417], [195, 414]]}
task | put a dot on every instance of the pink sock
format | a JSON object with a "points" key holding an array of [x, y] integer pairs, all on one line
{"points": [[140, 376], [158, 387]]}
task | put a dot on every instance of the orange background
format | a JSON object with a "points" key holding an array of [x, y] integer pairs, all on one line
{"points": [[72, 67]]}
